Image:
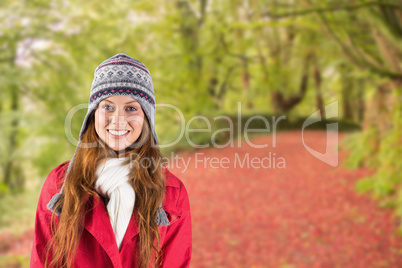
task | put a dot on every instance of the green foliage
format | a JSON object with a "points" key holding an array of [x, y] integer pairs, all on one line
{"points": [[185, 54], [361, 148], [17, 211], [385, 185], [14, 261], [3, 189], [202, 61]]}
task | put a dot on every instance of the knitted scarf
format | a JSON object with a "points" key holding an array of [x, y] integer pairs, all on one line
{"points": [[113, 182]]}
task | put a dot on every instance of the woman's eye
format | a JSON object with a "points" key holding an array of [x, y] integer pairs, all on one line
{"points": [[132, 109], [108, 107]]}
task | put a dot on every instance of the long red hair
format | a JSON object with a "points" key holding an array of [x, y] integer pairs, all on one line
{"points": [[148, 184]]}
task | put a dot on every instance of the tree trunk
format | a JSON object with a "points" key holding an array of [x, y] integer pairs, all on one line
{"points": [[360, 100], [318, 96], [13, 136], [347, 87], [282, 104]]}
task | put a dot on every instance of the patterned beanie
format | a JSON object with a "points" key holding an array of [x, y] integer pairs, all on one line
{"points": [[123, 75], [118, 75]]}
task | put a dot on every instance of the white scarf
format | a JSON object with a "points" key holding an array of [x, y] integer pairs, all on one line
{"points": [[113, 182]]}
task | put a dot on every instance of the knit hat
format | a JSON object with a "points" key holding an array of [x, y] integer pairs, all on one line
{"points": [[118, 75], [123, 75]]}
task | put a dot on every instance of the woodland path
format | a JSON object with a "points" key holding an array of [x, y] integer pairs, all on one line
{"points": [[305, 215]]}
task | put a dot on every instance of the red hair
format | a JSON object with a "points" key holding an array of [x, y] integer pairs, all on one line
{"points": [[148, 184]]}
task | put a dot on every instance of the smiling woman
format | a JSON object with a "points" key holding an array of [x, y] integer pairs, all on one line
{"points": [[119, 121], [103, 208]]}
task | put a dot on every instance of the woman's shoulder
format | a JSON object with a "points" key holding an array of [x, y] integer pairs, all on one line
{"points": [[52, 185], [56, 176], [171, 179], [176, 196]]}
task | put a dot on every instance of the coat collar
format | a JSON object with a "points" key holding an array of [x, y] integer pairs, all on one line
{"points": [[98, 224]]}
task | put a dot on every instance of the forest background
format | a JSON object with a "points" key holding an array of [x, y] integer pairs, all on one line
{"points": [[277, 58]]}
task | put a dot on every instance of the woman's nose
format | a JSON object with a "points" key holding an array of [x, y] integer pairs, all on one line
{"points": [[119, 119]]}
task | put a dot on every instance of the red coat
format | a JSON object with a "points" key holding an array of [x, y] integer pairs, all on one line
{"points": [[98, 247]]}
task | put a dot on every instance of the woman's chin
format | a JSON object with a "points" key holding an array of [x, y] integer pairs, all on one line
{"points": [[117, 147]]}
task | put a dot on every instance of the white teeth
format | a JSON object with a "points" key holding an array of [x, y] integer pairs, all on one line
{"points": [[118, 133]]}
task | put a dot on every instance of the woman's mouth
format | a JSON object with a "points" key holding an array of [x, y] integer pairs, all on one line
{"points": [[118, 134]]}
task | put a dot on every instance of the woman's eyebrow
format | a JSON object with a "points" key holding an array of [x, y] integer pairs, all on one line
{"points": [[125, 103]]}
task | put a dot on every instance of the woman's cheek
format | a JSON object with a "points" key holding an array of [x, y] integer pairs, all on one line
{"points": [[135, 121], [102, 118]]}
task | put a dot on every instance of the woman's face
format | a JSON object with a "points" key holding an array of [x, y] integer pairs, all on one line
{"points": [[118, 121]]}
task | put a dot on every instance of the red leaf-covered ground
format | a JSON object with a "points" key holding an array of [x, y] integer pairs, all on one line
{"points": [[305, 215]]}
